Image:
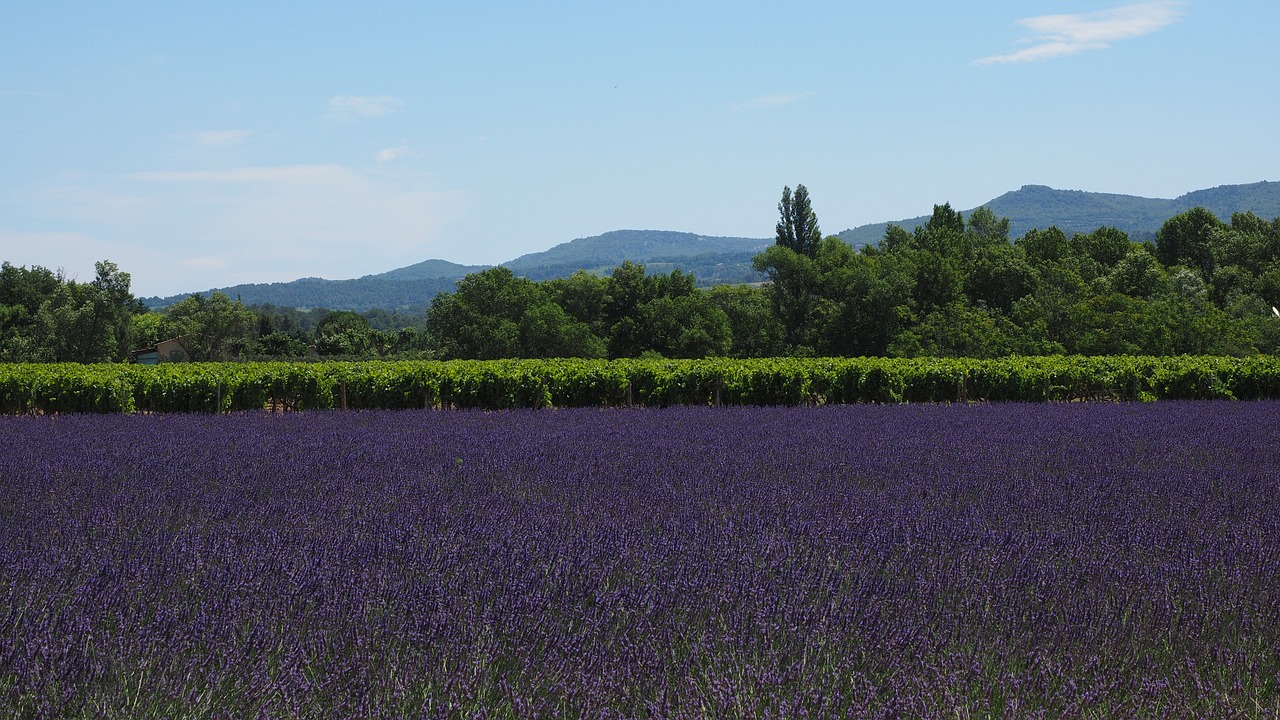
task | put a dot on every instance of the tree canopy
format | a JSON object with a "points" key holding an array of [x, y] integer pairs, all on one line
{"points": [[953, 286], [797, 227]]}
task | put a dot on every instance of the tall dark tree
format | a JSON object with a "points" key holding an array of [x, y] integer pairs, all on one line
{"points": [[798, 226]]}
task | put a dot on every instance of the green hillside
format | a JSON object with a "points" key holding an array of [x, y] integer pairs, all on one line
{"points": [[727, 260], [1037, 206], [713, 260], [429, 270]]}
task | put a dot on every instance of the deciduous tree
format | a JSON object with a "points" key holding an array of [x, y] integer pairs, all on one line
{"points": [[797, 228]]}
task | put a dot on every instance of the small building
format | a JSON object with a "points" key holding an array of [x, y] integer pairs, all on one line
{"points": [[171, 350]]}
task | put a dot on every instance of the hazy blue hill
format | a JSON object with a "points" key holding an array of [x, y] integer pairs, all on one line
{"points": [[360, 294], [430, 269], [1262, 199], [612, 248], [711, 259], [1037, 206], [714, 260]]}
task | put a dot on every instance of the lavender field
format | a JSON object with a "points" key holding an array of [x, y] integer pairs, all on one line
{"points": [[1008, 561]]}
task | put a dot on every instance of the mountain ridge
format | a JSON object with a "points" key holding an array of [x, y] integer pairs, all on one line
{"points": [[716, 259]]}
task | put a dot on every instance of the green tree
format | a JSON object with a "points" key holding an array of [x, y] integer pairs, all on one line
{"points": [[896, 240], [630, 288], [148, 329], [88, 322], [754, 329], [1188, 239], [1042, 247], [481, 319], [999, 276], [1105, 246], [585, 297], [664, 314], [957, 330], [75, 325], [864, 299], [1138, 274], [22, 293], [494, 314], [797, 228], [118, 305], [986, 229], [685, 326], [210, 328], [944, 233], [547, 331], [278, 344], [793, 289], [344, 333]]}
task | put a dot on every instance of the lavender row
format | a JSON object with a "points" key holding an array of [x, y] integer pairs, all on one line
{"points": [[857, 561]]}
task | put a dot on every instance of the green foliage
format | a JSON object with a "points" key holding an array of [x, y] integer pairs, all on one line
{"points": [[225, 387], [482, 319], [1044, 247], [797, 229], [793, 290], [949, 288], [754, 330], [688, 326], [44, 317], [210, 328], [1188, 239], [957, 330]]}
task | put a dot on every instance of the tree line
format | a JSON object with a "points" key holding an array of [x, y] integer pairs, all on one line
{"points": [[953, 287]]}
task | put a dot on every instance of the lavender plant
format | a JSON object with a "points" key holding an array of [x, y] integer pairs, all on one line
{"points": [[1056, 561]]}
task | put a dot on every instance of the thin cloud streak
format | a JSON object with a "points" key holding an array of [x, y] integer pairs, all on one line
{"points": [[391, 153], [364, 106], [1056, 36]]}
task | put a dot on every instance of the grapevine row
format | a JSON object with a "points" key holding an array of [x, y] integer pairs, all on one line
{"points": [[224, 387]]}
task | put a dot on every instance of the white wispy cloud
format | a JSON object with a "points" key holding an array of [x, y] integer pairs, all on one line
{"points": [[1059, 35], [771, 101], [185, 230], [364, 105], [391, 153]]}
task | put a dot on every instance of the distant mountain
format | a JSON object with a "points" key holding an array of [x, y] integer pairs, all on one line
{"points": [[717, 260], [1072, 211], [371, 291], [429, 270], [710, 259]]}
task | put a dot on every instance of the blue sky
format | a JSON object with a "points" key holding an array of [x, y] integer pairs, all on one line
{"points": [[204, 145]]}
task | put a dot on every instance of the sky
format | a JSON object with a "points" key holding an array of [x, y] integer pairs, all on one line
{"points": [[202, 145]]}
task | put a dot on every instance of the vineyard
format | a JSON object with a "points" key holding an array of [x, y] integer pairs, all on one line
{"points": [[508, 384]]}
